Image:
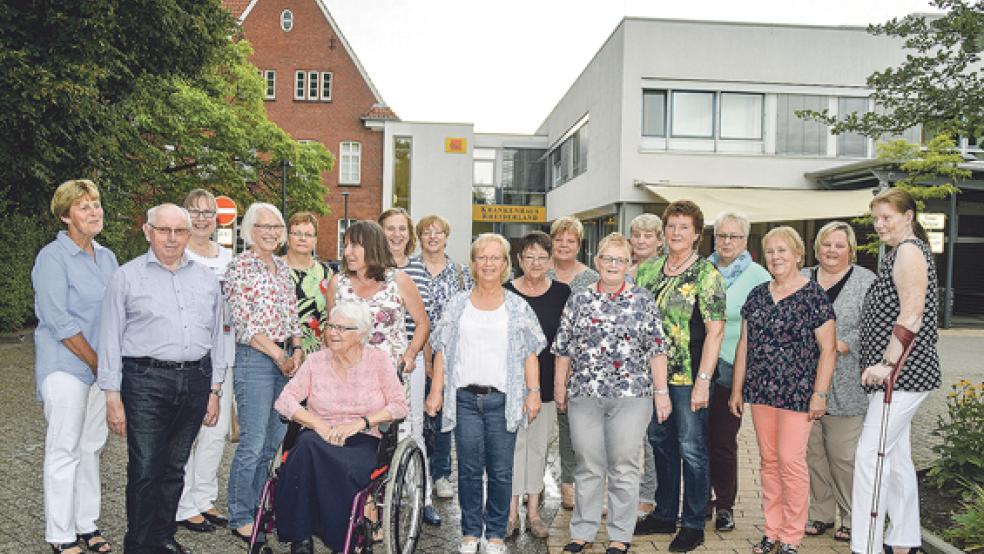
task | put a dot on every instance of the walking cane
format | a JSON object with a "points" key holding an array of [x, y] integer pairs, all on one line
{"points": [[907, 339]]}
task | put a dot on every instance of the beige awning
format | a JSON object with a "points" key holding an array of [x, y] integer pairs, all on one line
{"points": [[762, 205]]}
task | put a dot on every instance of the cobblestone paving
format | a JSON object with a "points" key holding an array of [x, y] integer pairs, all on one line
{"points": [[22, 434]]}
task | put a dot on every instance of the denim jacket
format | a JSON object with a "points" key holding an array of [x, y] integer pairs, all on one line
{"points": [[525, 338]]}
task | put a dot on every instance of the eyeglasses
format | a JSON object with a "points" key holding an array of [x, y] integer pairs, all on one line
{"points": [[340, 328], [725, 237], [614, 260], [167, 231], [536, 259], [201, 214], [432, 233], [300, 235], [487, 259], [262, 227]]}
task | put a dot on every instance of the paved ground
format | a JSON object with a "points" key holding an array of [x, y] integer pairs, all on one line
{"points": [[22, 433]]}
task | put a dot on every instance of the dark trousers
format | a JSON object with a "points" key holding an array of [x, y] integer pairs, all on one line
{"points": [[164, 410], [722, 448]]}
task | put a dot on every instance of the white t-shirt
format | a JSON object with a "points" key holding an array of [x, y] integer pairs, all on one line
{"points": [[218, 264], [482, 343]]}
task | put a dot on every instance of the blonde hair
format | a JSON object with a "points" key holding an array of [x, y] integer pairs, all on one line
{"points": [[429, 220], [852, 242], [411, 239], [69, 193], [191, 200], [792, 239], [567, 223], [480, 243], [615, 240], [303, 217]]}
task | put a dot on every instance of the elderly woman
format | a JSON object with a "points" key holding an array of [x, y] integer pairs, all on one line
{"points": [[547, 298], [444, 279], [268, 351], [566, 234], [783, 366], [310, 278], [611, 363], [350, 389], [70, 276], [690, 295], [741, 275], [833, 438], [398, 230], [196, 509], [486, 376], [903, 295]]}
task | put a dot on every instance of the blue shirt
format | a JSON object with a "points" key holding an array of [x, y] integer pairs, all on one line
{"points": [[69, 285], [151, 311]]}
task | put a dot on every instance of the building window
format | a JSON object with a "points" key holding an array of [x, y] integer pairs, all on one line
{"points": [[570, 158], [741, 115], [326, 86], [300, 84], [270, 84], [654, 113], [693, 114], [402, 153], [799, 137], [852, 145], [313, 87], [350, 163], [287, 20]]}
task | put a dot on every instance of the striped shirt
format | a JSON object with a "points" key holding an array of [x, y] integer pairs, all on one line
{"points": [[418, 273]]}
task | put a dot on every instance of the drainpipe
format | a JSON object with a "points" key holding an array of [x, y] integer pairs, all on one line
{"points": [[951, 247]]}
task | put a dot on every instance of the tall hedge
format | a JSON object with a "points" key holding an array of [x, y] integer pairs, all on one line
{"points": [[21, 237]]}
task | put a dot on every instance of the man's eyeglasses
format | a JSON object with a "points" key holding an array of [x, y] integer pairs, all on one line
{"points": [[263, 227], [614, 260], [201, 214], [340, 328], [300, 235], [536, 259], [725, 236], [167, 231]]}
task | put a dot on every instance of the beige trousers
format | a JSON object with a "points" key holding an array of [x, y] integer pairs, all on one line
{"points": [[830, 458], [530, 455]]}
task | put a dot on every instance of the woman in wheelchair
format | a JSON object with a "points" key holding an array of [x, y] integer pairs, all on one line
{"points": [[350, 389]]}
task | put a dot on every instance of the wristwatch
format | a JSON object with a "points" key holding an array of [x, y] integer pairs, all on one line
{"points": [[366, 419], [885, 362], [661, 392], [216, 392]]}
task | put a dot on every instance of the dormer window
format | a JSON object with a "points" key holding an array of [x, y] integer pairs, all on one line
{"points": [[287, 20]]}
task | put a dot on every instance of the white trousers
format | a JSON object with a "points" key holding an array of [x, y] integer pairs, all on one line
{"points": [[899, 496], [414, 424], [76, 416], [201, 479]]}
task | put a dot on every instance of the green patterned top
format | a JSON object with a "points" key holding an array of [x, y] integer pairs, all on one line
{"points": [[701, 289], [310, 286]]}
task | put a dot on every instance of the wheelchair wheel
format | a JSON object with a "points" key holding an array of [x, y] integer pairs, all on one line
{"points": [[404, 499]]}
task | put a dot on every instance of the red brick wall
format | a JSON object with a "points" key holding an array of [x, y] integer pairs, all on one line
{"points": [[309, 46]]}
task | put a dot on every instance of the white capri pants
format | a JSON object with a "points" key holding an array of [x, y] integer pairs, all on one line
{"points": [[76, 416]]}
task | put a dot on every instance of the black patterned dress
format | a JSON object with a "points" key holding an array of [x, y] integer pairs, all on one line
{"points": [[881, 309]]}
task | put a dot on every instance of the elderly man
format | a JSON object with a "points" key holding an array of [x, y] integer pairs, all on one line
{"points": [[159, 340]]}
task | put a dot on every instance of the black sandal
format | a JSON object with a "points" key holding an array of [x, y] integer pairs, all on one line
{"points": [[764, 546], [616, 550], [843, 534], [817, 528], [98, 545], [575, 547], [56, 548]]}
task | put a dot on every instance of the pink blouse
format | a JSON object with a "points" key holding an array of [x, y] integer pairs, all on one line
{"points": [[371, 385], [262, 303]]}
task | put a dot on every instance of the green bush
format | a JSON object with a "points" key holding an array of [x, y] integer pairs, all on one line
{"points": [[969, 529], [961, 434], [21, 237]]}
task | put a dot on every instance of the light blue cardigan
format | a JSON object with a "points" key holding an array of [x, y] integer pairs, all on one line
{"points": [[525, 338]]}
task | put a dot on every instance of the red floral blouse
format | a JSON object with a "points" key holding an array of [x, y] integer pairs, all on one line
{"points": [[262, 303]]}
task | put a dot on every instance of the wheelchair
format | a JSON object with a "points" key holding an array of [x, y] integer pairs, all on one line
{"points": [[395, 493]]}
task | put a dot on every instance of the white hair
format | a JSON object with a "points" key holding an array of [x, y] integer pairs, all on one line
{"points": [[152, 213], [249, 219], [740, 219], [358, 313]]}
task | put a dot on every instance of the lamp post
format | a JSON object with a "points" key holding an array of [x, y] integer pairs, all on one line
{"points": [[345, 226], [284, 164]]}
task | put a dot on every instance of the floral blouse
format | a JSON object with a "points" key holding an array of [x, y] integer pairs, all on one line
{"points": [[610, 340], [387, 310], [262, 303], [525, 338], [311, 287], [782, 345], [685, 302]]}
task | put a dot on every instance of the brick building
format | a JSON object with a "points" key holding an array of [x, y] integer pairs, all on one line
{"points": [[316, 90]]}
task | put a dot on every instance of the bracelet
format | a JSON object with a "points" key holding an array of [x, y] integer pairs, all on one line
{"points": [[661, 392], [366, 419], [821, 394], [703, 376], [533, 389], [885, 362]]}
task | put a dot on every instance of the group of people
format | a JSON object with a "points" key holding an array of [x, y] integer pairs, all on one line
{"points": [[643, 364]]}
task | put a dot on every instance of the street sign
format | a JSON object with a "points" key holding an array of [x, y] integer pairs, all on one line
{"points": [[225, 210], [508, 214], [935, 241], [933, 222]]}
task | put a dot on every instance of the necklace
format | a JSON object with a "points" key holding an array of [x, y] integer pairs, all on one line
{"points": [[676, 267]]}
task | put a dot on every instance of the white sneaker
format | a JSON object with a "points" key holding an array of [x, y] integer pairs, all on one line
{"points": [[468, 547], [496, 548], [443, 488]]}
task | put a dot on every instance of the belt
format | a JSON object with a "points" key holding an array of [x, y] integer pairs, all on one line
{"points": [[479, 389], [165, 364]]}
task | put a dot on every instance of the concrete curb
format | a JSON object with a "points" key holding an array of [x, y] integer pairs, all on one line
{"points": [[934, 544]]}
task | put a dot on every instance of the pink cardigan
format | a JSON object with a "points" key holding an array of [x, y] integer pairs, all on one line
{"points": [[370, 385]]}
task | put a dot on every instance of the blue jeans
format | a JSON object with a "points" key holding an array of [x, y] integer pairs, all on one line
{"points": [[682, 436], [257, 382], [439, 458], [484, 447], [164, 410]]}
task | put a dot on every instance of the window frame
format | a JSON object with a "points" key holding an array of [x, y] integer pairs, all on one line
{"points": [[720, 119], [300, 83], [269, 84], [287, 20], [326, 77], [342, 155], [672, 119], [666, 95], [313, 85]]}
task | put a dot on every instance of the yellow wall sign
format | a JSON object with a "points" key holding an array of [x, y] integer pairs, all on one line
{"points": [[509, 214], [455, 145]]}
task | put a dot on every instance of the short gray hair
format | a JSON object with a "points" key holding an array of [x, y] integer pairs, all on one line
{"points": [[647, 222], [249, 219], [740, 219], [152, 213], [358, 313]]}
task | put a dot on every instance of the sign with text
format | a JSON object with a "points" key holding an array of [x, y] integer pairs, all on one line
{"points": [[453, 145], [935, 241], [498, 213], [933, 222]]}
